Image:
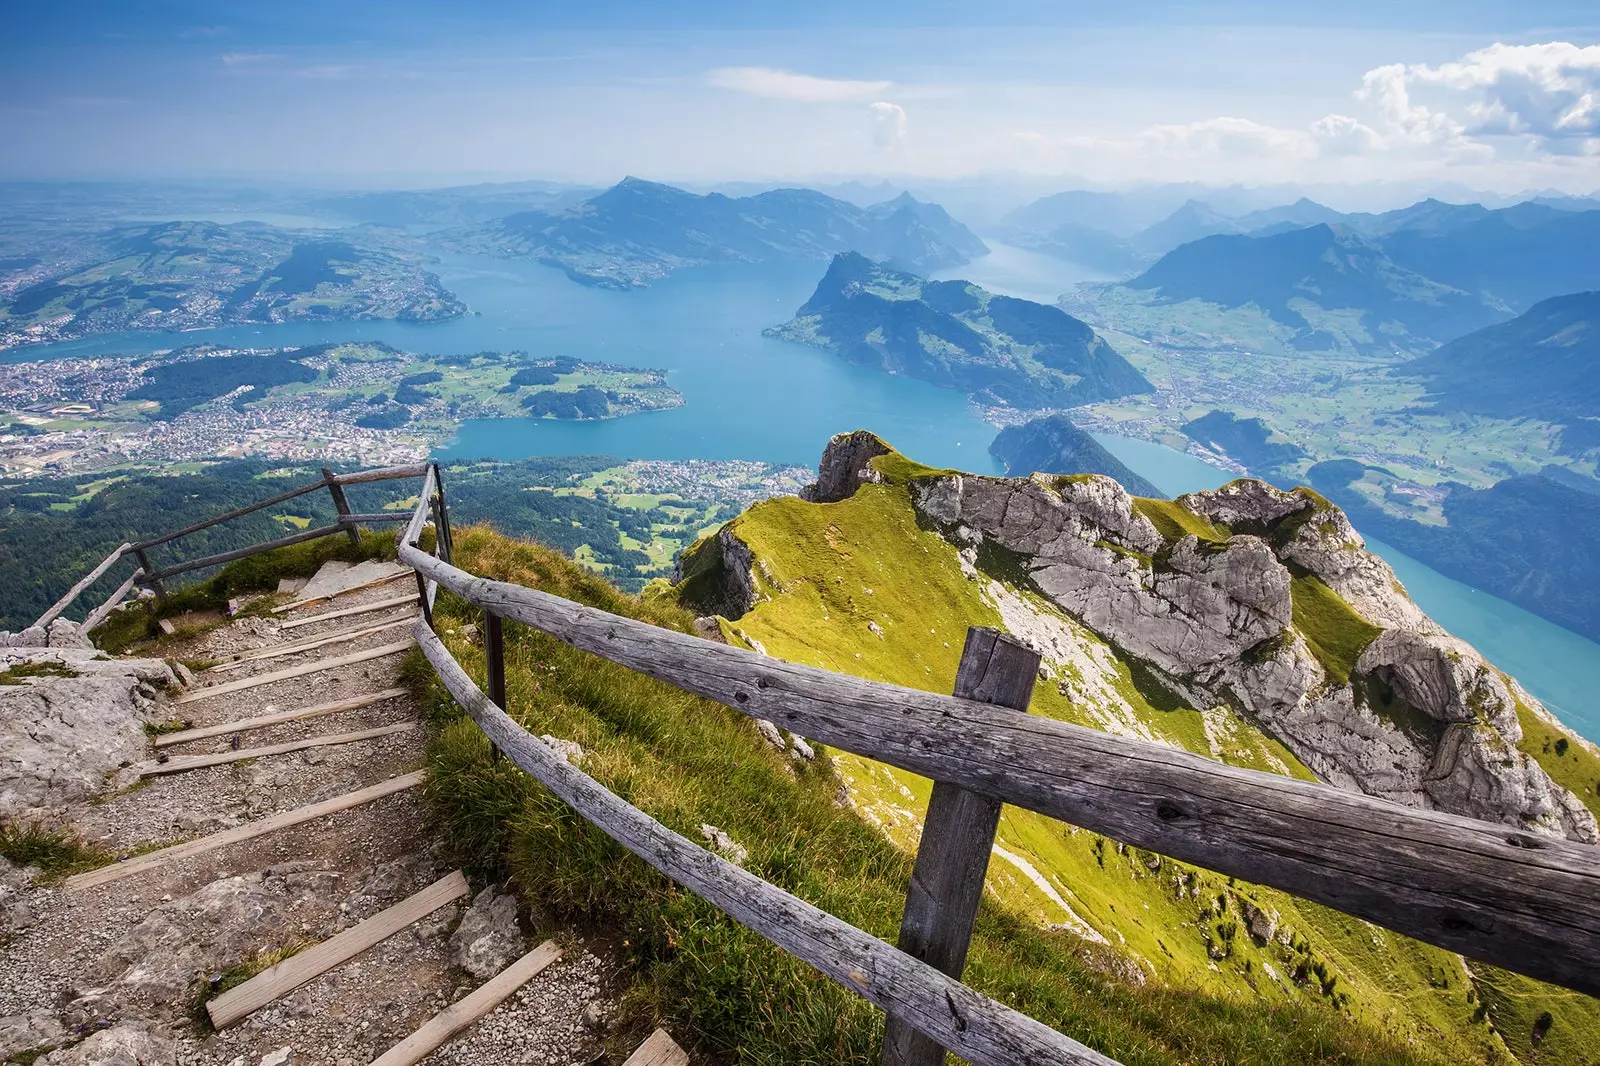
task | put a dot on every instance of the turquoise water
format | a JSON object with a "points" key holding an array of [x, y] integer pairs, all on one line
{"points": [[749, 397], [1555, 664]]}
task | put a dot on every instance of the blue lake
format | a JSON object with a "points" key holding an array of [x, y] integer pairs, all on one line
{"points": [[749, 397]]}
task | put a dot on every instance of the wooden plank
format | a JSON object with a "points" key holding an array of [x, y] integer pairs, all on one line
{"points": [[659, 1050], [471, 1007], [276, 981], [1523, 901], [366, 608], [983, 1032], [240, 553], [150, 860], [341, 505], [84, 582], [98, 615], [384, 473], [281, 650], [293, 671], [181, 763], [299, 604], [244, 725], [957, 839], [373, 516]]}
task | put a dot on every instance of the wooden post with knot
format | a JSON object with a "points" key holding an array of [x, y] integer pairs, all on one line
{"points": [[957, 837]]}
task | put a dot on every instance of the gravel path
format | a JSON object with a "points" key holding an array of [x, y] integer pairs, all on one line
{"points": [[136, 955]]}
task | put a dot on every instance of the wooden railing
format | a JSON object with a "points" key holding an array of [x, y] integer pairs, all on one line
{"points": [[1523, 901], [1527, 902], [147, 575]]}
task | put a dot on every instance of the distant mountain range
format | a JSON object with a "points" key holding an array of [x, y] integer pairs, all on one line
{"points": [[998, 349], [1544, 364], [640, 231], [1287, 274], [1505, 259], [1053, 445]]}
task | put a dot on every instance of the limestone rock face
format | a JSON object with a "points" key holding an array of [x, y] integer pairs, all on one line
{"points": [[1203, 607], [125, 1044], [488, 938], [25, 1031], [184, 941], [62, 733], [845, 466], [1423, 720]]}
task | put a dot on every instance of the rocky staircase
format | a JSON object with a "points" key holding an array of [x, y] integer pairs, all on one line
{"points": [[279, 898]]}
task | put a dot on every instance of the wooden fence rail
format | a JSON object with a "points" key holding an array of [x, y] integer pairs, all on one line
{"points": [[1527, 902], [150, 577]]}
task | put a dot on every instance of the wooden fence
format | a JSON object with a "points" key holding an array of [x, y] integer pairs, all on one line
{"points": [[147, 575], [1523, 901], [1527, 902]]}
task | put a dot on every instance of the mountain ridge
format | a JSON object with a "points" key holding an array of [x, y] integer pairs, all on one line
{"points": [[640, 231]]}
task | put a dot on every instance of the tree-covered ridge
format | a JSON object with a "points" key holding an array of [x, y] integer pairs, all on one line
{"points": [[998, 349], [639, 231]]}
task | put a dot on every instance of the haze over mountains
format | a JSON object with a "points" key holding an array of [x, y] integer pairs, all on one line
{"points": [[639, 231]]}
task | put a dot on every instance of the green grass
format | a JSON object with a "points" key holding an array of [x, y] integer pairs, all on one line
{"points": [[1569, 762], [57, 852], [898, 470], [1519, 1007], [687, 761], [1336, 634], [17, 673], [135, 625], [1174, 522]]}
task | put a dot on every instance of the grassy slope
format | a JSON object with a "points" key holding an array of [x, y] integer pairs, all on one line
{"points": [[830, 569], [687, 761]]}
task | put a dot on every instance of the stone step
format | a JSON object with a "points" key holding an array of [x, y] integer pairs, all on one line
{"points": [[244, 725], [293, 671], [366, 608], [470, 1008], [239, 1002], [278, 651], [178, 765], [150, 860]]}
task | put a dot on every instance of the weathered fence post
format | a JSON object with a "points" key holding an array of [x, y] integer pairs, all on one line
{"points": [[441, 519], [494, 660], [341, 505], [957, 835], [150, 580]]}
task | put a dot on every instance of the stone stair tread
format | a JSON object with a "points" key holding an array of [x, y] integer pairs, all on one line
{"points": [[293, 671], [466, 1011], [237, 1003], [156, 768], [150, 860], [275, 651], [264, 721], [346, 612]]}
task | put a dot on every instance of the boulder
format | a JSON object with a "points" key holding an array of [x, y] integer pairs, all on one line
{"points": [[846, 465], [124, 1044], [63, 732], [488, 938], [180, 943], [24, 1032]]}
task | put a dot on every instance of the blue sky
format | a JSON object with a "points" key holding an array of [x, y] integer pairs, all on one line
{"points": [[1497, 95]]}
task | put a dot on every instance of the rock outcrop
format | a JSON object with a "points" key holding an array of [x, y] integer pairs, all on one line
{"points": [[69, 717], [1264, 601]]}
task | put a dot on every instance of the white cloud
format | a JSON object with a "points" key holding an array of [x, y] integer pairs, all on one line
{"points": [[1225, 136], [240, 59], [888, 124], [787, 85], [1546, 94], [1343, 135]]}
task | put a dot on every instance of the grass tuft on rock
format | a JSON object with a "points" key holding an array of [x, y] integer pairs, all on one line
{"points": [[17, 673], [57, 852], [1174, 522], [1336, 634]]}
